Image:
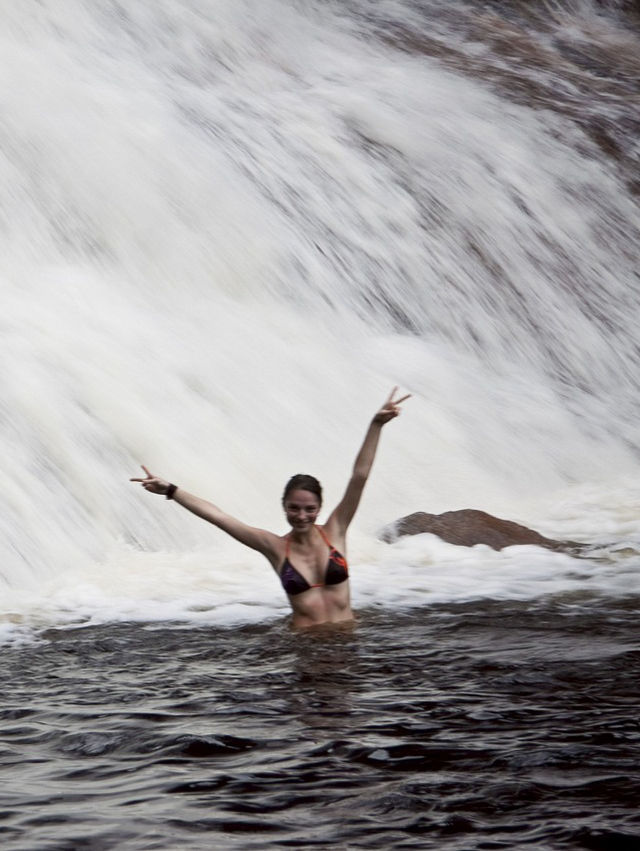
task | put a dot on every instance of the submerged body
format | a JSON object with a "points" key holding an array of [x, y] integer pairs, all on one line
{"points": [[310, 559]]}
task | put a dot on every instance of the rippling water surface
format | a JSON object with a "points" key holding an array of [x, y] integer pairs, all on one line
{"points": [[473, 726]]}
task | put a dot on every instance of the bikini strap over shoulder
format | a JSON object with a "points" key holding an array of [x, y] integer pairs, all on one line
{"points": [[324, 537]]}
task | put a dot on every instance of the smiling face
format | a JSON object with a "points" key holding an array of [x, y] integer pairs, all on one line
{"points": [[302, 508]]}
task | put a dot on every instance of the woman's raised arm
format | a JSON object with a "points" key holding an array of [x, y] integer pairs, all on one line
{"points": [[343, 514], [258, 539]]}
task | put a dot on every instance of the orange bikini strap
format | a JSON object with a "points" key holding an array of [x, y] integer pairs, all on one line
{"points": [[324, 537]]}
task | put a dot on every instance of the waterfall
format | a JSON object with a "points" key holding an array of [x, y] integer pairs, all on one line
{"points": [[229, 228]]}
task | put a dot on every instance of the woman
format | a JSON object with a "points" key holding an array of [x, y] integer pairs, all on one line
{"points": [[310, 558]]}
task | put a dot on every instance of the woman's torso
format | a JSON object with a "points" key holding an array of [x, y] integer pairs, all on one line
{"points": [[315, 577]]}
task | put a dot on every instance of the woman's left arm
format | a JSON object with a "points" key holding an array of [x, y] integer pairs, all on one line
{"points": [[343, 514]]}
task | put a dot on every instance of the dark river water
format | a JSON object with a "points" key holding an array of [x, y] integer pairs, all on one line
{"points": [[478, 726]]}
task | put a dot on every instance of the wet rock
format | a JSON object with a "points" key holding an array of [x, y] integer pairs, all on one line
{"points": [[468, 527]]}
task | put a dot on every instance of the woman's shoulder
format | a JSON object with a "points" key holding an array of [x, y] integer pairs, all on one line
{"points": [[332, 534]]}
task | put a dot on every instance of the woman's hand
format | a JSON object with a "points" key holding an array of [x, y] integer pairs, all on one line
{"points": [[152, 483], [391, 408]]}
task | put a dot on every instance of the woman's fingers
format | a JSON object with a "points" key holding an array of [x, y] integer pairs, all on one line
{"points": [[149, 476], [391, 402], [402, 399]]}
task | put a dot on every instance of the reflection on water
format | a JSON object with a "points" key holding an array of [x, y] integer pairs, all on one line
{"points": [[448, 727], [325, 666]]}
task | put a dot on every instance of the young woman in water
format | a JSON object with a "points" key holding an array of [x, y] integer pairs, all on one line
{"points": [[310, 559]]}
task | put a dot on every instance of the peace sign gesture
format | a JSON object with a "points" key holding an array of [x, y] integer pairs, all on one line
{"points": [[153, 484], [391, 408]]}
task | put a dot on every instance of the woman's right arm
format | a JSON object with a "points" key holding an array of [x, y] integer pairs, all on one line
{"points": [[258, 539]]}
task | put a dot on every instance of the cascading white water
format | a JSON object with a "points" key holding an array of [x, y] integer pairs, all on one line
{"points": [[227, 230]]}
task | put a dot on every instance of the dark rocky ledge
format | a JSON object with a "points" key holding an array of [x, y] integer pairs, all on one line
{"points": [[468, 527]]}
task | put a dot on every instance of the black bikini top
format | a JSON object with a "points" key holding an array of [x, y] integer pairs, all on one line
{"points": [[294, 582]]}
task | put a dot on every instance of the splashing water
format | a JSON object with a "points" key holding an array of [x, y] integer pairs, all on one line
{"points": [[228, 229]]}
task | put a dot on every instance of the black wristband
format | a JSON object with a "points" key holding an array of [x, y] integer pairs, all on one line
{"points": [[171, 490]]}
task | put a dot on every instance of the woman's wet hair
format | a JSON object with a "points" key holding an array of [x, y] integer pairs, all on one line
{"points": [[303, 482]]}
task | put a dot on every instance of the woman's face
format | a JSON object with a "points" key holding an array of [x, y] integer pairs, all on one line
{"points": [[302, 509]]}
